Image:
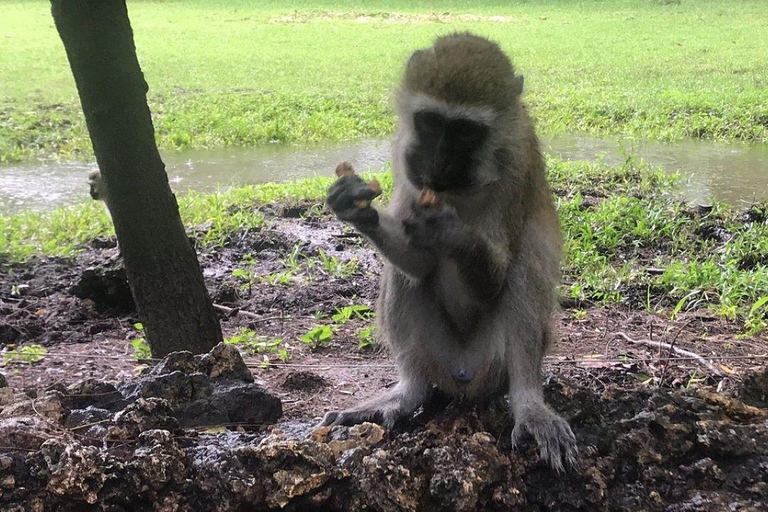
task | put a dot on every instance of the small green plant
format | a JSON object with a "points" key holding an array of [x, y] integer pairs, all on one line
{"points": [[756, 318], [367, 337], [246, 274], [345, 314], [335, 267], [252, 343], [141, 349], [27, 354], [579, 314], [318, 336], [283, 278], [293, 259]]}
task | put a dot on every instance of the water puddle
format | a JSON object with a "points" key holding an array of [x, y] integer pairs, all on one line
{"points": [[730, 172]]}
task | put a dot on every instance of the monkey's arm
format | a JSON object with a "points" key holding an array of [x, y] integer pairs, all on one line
{"points": [[391, 241], [482, 264], [381, 228]]}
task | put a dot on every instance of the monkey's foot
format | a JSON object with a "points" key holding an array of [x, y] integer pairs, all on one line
{"points": [[386, 415], [557, 444], [386, 409]]}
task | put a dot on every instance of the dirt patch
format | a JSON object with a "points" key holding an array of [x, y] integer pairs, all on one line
{"points": [[324, 267], [640, 450], [659, 432]]}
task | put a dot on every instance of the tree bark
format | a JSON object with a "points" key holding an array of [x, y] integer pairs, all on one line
{"points": [[162, 268]]}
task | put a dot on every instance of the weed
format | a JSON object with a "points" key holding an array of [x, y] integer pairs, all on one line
{"points": [[27, 354], [367, 337], [141, 349], [334, 267], [345, 314], [317, 337], [251, 343]]}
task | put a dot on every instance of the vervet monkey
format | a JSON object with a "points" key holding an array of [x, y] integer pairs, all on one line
{"points": [[97, 187], [471, 242], [98, 190]]}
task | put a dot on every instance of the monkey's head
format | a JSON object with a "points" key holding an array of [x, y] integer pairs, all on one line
{"points": [[96, 186], [455, 104]]}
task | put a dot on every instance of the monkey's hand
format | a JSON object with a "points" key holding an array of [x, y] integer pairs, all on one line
{"points": [[432, 228], [345, 197], [557, 444]]}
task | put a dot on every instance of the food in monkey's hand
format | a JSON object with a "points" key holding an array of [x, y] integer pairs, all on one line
{"points": [[428, 199], [346, 169]]}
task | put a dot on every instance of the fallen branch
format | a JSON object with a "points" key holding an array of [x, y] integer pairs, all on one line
{"points": [[660, 344], [254, 316]]}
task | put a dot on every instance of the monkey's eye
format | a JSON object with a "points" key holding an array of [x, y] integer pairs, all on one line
{"points": [[428, 122], [468, 131]]}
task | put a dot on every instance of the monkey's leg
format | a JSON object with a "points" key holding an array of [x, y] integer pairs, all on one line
{"points": [[386, 409], [557, 444]]}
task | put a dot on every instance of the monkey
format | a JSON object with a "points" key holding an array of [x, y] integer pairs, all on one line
{"points": [[97, 188], [471, 244]]}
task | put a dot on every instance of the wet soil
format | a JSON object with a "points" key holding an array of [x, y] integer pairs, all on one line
{"points": [[664, 430]]}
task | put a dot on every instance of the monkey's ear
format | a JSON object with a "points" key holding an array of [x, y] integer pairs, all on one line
{"points": [[517, 85]]}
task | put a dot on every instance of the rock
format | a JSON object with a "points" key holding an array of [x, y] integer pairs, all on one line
{"points": [[214, 389], [90, 424], [9, 334], [158, 459], [92, 392], [232, 402], [225, 362], [183, 361], [48, 406], [754, 389], [3, 381], [107, 288], [74, 471], [648, 450], [140, 416], [24, 433]]}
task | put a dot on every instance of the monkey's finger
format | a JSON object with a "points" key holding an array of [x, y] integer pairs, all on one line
{"points": [[349, 192], [342, 196], [361, 217], [329, 419]]}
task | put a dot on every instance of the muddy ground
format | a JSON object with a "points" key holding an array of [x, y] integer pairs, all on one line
{"points": [[659, 432]]}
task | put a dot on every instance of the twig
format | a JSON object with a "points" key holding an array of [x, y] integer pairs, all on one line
{"points": [[254, 316], [677, 350]]}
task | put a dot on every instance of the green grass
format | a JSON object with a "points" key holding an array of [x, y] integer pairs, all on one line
{"points": [[618, 222], [238, 73]]}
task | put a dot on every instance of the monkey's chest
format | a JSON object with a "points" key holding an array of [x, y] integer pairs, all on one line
{"points": [[454, 297]]}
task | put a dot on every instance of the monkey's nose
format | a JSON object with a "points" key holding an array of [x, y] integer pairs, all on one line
{"points": [[461, 375]]}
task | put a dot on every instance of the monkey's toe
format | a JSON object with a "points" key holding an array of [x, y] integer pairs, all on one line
{"points": [[329, 419], [348, 418], [557, 443]]}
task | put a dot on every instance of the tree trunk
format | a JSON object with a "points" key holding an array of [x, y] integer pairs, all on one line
{"points": [[161, 265]]}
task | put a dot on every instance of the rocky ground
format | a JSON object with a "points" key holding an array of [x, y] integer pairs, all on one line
{"points": [[80, 429]]}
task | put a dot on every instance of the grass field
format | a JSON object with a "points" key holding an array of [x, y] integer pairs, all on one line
{"points": [[237, 73]]}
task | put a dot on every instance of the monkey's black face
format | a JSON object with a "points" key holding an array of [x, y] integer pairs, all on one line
{"points": [[94, 192], [445, 153]]}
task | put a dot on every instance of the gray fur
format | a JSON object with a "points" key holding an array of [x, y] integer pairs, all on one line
{"points": [[446, 312]]}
